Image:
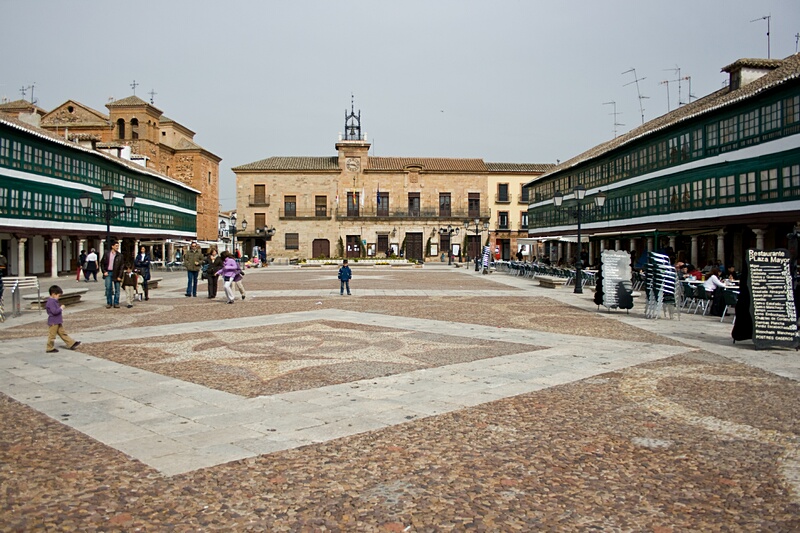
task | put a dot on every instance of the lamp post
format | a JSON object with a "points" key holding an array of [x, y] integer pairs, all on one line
{"points": [[107, 212], [580, 193], [449, 231], [478, 229], [234, 230]]}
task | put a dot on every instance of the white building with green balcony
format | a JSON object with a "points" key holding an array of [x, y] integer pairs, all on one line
{"points": [[710, 179], [43, 226]]}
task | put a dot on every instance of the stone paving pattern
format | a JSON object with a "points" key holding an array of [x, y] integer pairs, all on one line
{"points": [[696, 441]]}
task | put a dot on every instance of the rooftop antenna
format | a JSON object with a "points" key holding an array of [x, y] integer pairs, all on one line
{"points": [[677, 71], [32, 87], [689, 79], [636, 80], [796, 41], [767, 17], [133, 86], [666, 82], [613, 103], [152, 94]]}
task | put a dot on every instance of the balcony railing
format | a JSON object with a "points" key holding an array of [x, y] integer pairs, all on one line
{"points": [[304, 213], [372, 212], [523, 199], [503, 198], [258, 201]]}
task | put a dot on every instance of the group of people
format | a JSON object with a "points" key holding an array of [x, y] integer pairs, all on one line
{"points": [[119, 273], [213, 266]]}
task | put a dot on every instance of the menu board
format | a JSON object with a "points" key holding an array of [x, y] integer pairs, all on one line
{"points": [[772, 299], [616, 270]]}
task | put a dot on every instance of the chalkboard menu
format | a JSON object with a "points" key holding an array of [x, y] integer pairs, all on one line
{"points": [[772, 302], [616, 272]]}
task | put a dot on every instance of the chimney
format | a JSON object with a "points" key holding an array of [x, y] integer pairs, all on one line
{"points": [[746, 71]]}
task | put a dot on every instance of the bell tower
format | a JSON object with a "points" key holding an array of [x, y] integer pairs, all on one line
{"points": [[353, 147]]}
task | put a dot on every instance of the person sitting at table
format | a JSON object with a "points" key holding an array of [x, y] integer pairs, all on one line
{"points": [[731, 274], [692, 272], [711, 284]]}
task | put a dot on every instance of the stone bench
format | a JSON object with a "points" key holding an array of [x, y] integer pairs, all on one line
{"points": [[69, 297], [551, 282], [152, 282]]}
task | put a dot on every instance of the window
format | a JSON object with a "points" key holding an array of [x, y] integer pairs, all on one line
{"points": [[383, 204], [749, 124], [711, 191], [502, 192], [771, 117], [290, 206], [769, 184], [791, 107], [259, 194], [502, 220], [444, 204], [747, 187], [523, 220], [260, 220], [727, 190], [134, 128], [292, 241], [712, 135], [697, 143], [474, 205], [791, 180], [413, 204], [209, 178], [352, 204], [120, 128], [321, 206], [524, 194], [729, 130]]}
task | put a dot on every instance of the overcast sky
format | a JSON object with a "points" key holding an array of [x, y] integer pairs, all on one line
{"points": [[505, 81]]}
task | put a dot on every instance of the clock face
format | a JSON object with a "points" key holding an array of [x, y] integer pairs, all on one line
{"points": [[352, 164]]}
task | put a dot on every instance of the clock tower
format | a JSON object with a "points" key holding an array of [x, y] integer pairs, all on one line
{"points": [[352, 147]]}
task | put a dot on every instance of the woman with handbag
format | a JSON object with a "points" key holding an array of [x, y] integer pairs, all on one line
{"points": [[142, 263], [211, 268]]}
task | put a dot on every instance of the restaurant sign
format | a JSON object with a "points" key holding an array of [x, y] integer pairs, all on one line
{"points": [[772, 299]]}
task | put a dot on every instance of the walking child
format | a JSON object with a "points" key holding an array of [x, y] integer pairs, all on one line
{"points": [[129, 282], [55, 322], [344, 277]]}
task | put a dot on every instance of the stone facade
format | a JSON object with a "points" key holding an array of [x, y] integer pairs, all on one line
{"points": [[364, 204]]}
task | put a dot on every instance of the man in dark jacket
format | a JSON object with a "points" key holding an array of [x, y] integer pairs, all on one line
{"points": [[142, 264], [111, 266]]}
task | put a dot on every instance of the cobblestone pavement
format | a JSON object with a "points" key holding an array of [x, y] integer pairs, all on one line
{"points": [[433, 399]]}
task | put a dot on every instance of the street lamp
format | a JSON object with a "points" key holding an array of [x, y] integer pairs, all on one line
{"points": [[599, 200], [478, 229], [107, 213], [449, 231], [234, 230]]}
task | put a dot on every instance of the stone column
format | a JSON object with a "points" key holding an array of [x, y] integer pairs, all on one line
{"points": [[632, 245], [54, 257], [673, 242], [721, 246], [759, 238], [617, 244], [102, 249], [650, 244], [693, 255], [603, 245], [169, 253], [591, 252], [21, 256]]}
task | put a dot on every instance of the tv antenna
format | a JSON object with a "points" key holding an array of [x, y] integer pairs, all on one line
{"points": [[614, 113], [689, 79], [667, 82], [636, 80], [24, 90], [677, 71], [767, 17], [796, 40]]}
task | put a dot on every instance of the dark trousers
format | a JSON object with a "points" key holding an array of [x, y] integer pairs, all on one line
{"points": [[145, 289], [212, 285], [345, 283], [191, 285]]}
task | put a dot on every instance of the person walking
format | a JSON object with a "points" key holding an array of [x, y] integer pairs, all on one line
{"points": [[214, 262], [55, 322], [345, 274], [112, 267], [142, 263], [228, 272], [91, 265], [81, 265], [129, 282], [192, 260]]}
